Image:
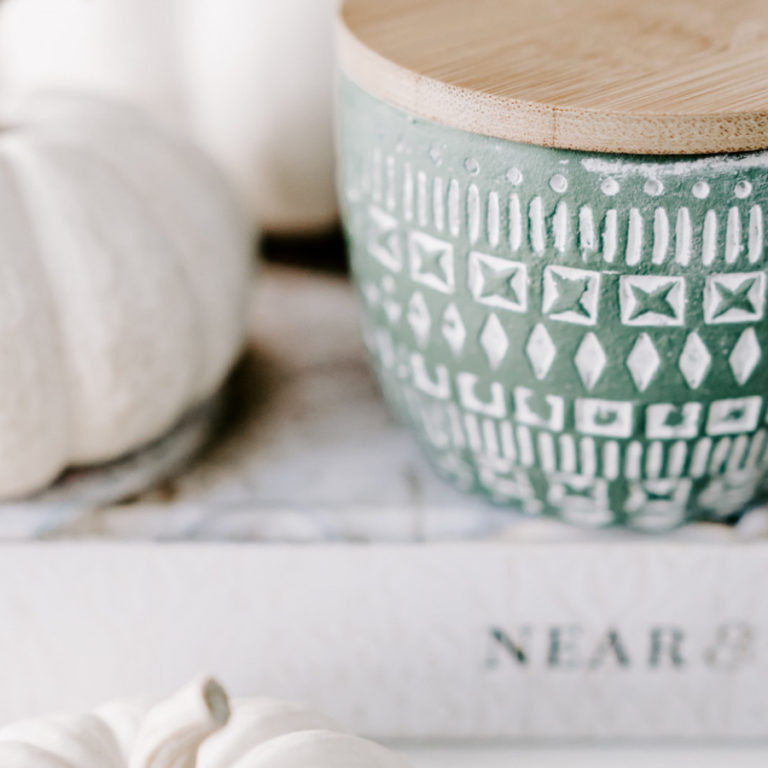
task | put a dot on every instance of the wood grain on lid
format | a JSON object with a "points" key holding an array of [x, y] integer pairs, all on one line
{"points": [[635, 76]]}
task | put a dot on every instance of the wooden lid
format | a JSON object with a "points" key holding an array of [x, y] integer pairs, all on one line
{"points": [[635, 76]]}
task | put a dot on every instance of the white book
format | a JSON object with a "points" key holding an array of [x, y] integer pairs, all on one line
{"points": [[453, 640], [310, 554]]}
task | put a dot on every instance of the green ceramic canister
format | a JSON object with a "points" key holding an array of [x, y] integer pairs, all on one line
{"points": [[556, 217]]}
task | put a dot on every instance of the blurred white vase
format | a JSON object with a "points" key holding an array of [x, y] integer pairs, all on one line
{"points": [[251, 80]]}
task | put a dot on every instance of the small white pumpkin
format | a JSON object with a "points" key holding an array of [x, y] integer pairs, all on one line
{"points": [[251, 80], [124, 265], [192, 729]]}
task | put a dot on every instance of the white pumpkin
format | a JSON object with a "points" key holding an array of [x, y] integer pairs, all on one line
{"points": [[250, 79], [124, 264], [192, 729]]}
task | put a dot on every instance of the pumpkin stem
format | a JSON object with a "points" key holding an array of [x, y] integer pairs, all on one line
{"points": [[172, 731]]}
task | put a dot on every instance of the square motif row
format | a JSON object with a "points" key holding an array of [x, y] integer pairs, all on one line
{"points": [[570, 294]]}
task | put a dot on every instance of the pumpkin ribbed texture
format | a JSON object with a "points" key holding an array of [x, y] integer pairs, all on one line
{"points": [[124, 264], [195, 728]]}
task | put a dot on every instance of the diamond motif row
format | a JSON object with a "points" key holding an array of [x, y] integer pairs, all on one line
{"points": [[590, 360]]}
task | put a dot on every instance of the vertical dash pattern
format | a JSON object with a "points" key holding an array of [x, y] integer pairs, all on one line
{"points": [[493, 219], [683, 237]]}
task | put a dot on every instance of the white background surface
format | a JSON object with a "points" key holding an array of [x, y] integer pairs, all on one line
{"points": [[591, 757]]}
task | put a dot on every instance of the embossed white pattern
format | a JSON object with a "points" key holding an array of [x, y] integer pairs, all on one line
{"points": [[709, 238], [604, 418], [756, 448], [392, 309], [719, 455], [582, 500], [586, 230], [508, 447], [517, 486], [432, 417], [590, 360], [567, 447], [489, 437], [498, 282], [700, 457], [438, 203], [732, 491], [549, 415], [438, 386], [454, 423], [431, 261], [755, 247], [737, 454], [734, 415], [384, 347], [648, 235], [634, 237], [377, 180], [660, 236], [610, 240], [383, 240], [588, 456], [633, 458], [391, 195], [419, 318], [371, 294], [422, 199], [454, 219], [472, 166], [560, 226], [546, 447], [658, 504], [734, 297], [609, 187], [453, 329], [525, 446], [494, 406], [653, 187], [643, 362], [654, 459], [536, 217], [652, 300], [558, 183], [473, 213], [677, 456], [571, 295], [695, 360], [733, 244], [408, 192], [667, 421], [474, 439], [494, 341], [493, 221], [700, 190], [683, 237], [515, 222], [745, 356], [540, 351], [611, 460]]}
